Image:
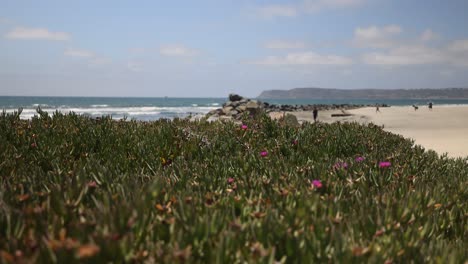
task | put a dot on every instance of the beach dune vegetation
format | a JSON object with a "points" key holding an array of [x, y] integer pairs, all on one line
{"points": [[79, 189]]}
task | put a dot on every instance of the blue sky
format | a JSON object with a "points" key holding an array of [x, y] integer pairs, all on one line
{"points": [[209, 48]]}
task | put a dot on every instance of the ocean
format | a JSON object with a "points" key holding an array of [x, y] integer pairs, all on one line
{"points": [[147, 109]]}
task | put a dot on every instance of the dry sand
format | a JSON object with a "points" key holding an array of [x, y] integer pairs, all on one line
{"points": [[444, 129]]}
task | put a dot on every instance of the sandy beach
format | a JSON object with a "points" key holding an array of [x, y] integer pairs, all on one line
{"points": [[444, 129]]}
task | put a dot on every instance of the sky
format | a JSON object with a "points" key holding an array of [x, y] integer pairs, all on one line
{"points": [[210, 48]]}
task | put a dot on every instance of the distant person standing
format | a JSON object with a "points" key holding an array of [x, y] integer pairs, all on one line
{"points": [[430, 106], [377, 109], [315, 113]]}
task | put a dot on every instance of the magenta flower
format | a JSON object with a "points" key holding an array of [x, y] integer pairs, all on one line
{"points": [[341, 165], [264, 153], [385, 164], [244, 127], [294, 142], [230, 180], [359, 159], [317, 184]]}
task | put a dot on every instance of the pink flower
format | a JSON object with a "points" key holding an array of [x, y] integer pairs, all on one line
{"points": [[385, 164], [340, 165], [317, 184], [92, 184], [230, 180], [244, 127], [294, 142], [359, 159], [264, 153]]}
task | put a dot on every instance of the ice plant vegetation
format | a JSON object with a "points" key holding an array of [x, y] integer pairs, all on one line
{"points": [[106, 191], [244, 127]]}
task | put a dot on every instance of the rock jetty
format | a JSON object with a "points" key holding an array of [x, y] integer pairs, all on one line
{"points": [[237, 106]]}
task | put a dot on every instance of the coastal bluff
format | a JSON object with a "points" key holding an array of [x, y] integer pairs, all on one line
{"points": [[322, 93]]}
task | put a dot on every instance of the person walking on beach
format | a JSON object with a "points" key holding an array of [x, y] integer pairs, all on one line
{"points": [[430, 106], [315, 113], [377, 110]]}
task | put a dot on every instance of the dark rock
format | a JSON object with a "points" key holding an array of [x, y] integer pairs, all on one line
{"points": [[235, 97]]}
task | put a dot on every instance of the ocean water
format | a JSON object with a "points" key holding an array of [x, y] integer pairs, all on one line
{"points": [[147, 109]]}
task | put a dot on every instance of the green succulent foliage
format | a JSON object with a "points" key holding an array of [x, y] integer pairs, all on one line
{"points": [[76, 189]]}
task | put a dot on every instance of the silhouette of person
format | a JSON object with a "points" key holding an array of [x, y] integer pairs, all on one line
{"points": [[430, 106], [315, 113], [377, 110]]}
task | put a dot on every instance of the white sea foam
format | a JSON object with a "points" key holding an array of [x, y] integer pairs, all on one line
{"points": [[143, 113], [41, 105], [99, 105]]}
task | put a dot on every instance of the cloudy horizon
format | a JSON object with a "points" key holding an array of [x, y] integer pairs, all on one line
{"points": [[212, 48]]}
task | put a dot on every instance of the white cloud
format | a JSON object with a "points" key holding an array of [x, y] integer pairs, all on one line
{"points": [[79, 53], [455, 53], [36, 33], [317, 5], [405, 55], [97, 61], [459, 46], [90, 57], [282, 44], [412, 51], [376, 37], [271, 11], [305, 6], [303, 58], [135, 66], [178, 51], [428, 35]]}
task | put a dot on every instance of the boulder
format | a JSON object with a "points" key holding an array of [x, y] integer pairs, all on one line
{"points": [[227, 109], [213, 118], [228, 103], [241, 108], [252, 104], [235, 97], [225, 118]]}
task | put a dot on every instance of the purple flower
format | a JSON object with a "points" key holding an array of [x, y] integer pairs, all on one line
{"points": [[264, 153], [317, 184], [359, 159], [230, 180], [385, 164], [294, 142], [341, 165], [244, 127]]}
